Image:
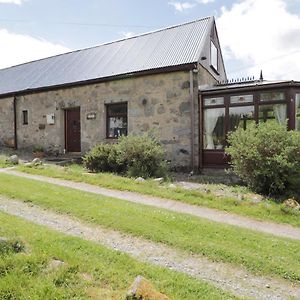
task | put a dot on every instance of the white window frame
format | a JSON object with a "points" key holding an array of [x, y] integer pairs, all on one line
{"points": [[214, 56]]}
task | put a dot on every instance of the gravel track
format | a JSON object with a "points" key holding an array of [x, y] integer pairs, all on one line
{"points": [[224, 276], [275, 229]]}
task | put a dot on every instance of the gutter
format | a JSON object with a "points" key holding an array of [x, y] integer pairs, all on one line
{"points": [[200, 132], [15, 123], [192, 120], [234, 88]]}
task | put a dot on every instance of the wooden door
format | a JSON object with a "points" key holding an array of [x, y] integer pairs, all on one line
{"points": [[72, 130]]}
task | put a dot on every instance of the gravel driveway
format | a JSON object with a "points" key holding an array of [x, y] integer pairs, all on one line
{"points": [[275, 229], [224, 276]]}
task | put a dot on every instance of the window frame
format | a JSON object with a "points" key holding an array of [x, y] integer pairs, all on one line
{"points": [[25, 117], [256, 103], [114, 115], [204, 139], [247, 104], [214, 67]]}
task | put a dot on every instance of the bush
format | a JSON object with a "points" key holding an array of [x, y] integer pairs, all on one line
{"points": [[132, 155], [265, 156], [142, 155], [102, 157]]}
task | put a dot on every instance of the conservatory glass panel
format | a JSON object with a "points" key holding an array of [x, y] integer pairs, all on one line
{"points": [[241, 99], [214, 101], [241, 117], [214, 129], [272, 96], [273, 113]]}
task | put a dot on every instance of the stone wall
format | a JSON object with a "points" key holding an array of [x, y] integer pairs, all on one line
{"points": [[7, 122], [158, 103], [205, 78]]}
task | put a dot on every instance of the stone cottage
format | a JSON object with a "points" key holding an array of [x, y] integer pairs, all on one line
{"points": [[71, 102]]}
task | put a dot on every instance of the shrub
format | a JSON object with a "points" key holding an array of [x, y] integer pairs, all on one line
{"points": [[102, 157], [133, 155], [265, 156], [142, 155]]}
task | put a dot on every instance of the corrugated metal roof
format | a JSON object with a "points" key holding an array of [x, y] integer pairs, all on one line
{"points": [[177, 45]]}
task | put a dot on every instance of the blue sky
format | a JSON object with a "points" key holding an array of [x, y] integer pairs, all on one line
{"points": [[255, 34], [54, 20]]}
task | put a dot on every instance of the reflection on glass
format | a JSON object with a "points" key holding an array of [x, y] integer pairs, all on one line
{"points": [[298, 112], [214, 130], [116, 120], [273, 112], [240, 117], [214, 101], [241, 99], [117, 126], [271, 96]]}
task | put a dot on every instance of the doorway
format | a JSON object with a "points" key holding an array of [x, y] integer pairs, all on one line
{"points": [[72, 130]]}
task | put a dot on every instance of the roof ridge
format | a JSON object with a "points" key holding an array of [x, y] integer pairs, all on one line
{"points": [[150, 32], [109, 43]]}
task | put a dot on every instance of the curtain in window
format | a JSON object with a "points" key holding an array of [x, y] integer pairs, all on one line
{"points": [[210, 121], [280, 113]]}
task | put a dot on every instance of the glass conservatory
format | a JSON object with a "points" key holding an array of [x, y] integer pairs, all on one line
{"points": [[228, 107]]}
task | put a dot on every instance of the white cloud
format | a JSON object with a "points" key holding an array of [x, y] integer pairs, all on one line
{"points": [[181, 6], [17, 48], [205, 1], [261, 35], [18, 2]]}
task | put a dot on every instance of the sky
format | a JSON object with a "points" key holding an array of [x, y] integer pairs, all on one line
{"points": [[254, 34]]}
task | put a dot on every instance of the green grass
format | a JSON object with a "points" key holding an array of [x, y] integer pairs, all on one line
{"points": [[108, 274], [3, 162], [260, 253], [266, 210]]}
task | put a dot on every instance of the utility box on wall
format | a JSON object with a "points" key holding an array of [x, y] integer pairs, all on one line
{"points": [[50, 119]]}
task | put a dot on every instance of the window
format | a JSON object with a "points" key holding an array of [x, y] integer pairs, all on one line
{"points": [[241, 99], [213, 56], [272, 96], [116, 120], [25, 117], [214, 128], [273, 112], [240, 117], [214, 101], [298, 112]]}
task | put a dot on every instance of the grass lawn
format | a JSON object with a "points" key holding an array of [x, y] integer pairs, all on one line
{"points": [[89, 271], [266, 210], [257, 252]]}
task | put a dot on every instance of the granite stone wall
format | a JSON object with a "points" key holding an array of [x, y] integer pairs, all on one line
{"points": [[159, 103], [6, 122]]}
